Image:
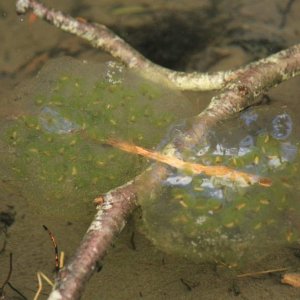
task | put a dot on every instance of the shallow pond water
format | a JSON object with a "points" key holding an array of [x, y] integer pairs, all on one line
{"points": [[216, 35]]}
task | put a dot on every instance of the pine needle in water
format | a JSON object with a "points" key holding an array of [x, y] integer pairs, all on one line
{"points": [[218, 171]]}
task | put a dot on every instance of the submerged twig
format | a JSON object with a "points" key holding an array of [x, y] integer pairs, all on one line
{"points": [[6, 281], [285, 13], [242, 178], [8, 275], [17, 291], [250, 274], [57, 262]]}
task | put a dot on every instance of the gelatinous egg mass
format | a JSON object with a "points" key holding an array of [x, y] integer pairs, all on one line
{"points": [[54, 122], [212, 219], [282, 126], [51, 143]]}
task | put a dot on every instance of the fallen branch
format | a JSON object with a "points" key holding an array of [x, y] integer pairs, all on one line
{"points": [[101, 37], [241, 90]]}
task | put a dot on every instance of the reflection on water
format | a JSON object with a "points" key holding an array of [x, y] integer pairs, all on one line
{"points": [[114, 72], [52, 121], [288, 151], [282, 126], [178, 180]]}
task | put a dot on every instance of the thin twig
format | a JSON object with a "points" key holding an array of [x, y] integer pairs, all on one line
{"points": [[250, 274], [242, 178], [40, 276], [285, 13], [8, 274], [17, 291], [6, 282], [57, 263]]}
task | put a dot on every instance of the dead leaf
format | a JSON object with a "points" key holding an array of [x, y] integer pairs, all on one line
{"points": [[292, 279]]}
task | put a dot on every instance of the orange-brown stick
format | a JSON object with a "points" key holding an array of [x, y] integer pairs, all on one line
{"points": [[219, 171]]}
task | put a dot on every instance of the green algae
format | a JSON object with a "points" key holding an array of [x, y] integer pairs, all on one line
{"points": [[54, 148]]}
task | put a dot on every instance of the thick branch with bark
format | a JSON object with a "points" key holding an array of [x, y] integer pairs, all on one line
{"points": [[113, 208], [101, 37], [241, 90], [252, 82]]}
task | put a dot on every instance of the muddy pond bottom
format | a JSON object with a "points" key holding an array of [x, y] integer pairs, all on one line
{"points": [[210, 219]]}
